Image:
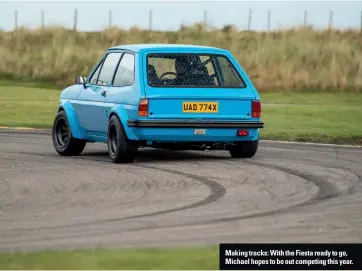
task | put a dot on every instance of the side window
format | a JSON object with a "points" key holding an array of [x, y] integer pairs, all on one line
{"points": [[125, 72], [93, 79], [229, 74], [108, 68]]}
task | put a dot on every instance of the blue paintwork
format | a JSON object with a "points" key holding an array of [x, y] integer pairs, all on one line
{"points": [[88, 111], [74, 123], [186, 135], [138, 48]]}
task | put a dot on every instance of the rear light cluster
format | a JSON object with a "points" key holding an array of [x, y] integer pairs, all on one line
{"points": [[255, 109], [143, 108], [255, 113]]}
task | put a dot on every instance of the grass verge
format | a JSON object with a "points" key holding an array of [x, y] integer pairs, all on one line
{"points": [[205, 258], [299, 116], [288, 59]]}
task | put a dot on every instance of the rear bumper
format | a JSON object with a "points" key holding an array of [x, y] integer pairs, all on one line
{"points": [[188, 134], [195, 124]]}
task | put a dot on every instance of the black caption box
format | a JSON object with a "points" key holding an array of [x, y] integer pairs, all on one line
{"points": [[290, 257]]}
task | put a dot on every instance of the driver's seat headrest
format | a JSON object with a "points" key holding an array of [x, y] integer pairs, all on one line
{"points": [[182, 66], [151, 70]]}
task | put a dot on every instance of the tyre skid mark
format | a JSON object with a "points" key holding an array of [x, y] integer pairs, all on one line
{"points": [[140, 198], [207, 222], [216, 193], [326, 191], [321, 196]]}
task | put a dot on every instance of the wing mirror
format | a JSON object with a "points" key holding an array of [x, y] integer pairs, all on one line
{"points": [[80, 80]]}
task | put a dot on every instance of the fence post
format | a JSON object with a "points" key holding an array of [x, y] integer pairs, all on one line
{"points": [[305, 18], [205, 20], [150, 20], [361, 20], [110, 18], [16, 19], [330, 20], [75, 20], [42, 19], [249, 19], [269, 15]]}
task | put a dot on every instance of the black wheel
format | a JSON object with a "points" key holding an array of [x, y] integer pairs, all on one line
{"points": [[120, 148], [63, 141], [245, 149]]}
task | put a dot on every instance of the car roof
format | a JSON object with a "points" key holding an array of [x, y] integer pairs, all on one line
{"points": [[141, 47]]}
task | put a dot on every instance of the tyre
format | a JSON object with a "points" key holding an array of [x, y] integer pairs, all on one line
{"points": [[120, 148], [64, 143], [245, 149]]}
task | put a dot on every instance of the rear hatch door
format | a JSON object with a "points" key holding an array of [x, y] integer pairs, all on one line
{"points": [[200, 103]]}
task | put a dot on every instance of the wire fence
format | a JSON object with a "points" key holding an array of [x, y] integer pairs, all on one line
{"points": [[205, 21]]}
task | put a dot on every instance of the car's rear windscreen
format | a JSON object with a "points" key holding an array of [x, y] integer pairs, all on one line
{"points": [[192, 70]]}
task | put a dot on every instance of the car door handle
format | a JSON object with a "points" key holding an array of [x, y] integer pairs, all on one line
{"points": [[104, 93]]}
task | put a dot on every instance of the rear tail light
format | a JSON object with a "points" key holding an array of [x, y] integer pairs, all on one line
{"points": [[243, 132], [143, 108], [255, 109]]}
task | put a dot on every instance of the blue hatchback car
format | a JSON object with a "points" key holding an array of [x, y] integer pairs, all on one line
{"points": [[162, 96]]}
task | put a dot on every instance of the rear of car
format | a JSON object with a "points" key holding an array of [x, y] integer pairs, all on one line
{"points": [[196, 96]]}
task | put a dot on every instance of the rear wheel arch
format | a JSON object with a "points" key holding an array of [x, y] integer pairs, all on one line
{"points": [[117, 116], [124, 125], [120, 148], [111, 115], [122, 115]]}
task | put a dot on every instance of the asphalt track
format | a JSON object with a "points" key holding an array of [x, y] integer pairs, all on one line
{"points": [[286, 193]]}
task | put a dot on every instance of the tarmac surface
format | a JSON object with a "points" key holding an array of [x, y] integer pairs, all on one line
{"points": [[286, 193]]}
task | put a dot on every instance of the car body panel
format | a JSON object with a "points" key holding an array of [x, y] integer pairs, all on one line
{"points": [[91, 109], [88, 111], [73, 120]]}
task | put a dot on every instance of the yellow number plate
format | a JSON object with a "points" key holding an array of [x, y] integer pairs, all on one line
{"points": [[200, 107]]}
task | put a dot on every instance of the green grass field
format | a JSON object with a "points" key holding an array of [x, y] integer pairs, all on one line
{"points": [[316, 117], [204, 258]]}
